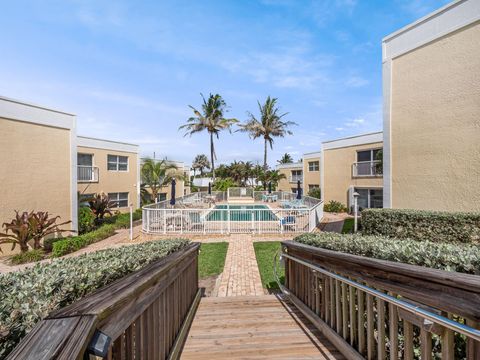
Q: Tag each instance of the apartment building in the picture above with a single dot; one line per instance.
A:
(353, 164)
(431, 92)
(38, 160)
(293, 173)
(311, 171)
(110, 167)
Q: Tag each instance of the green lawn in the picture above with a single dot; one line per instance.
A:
(265, 252)
(212, 259)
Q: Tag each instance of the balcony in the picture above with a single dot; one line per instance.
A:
(367, 169)
(296, 178)
(87, 174)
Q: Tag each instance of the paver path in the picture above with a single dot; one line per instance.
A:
(240, 275)
(260, 327)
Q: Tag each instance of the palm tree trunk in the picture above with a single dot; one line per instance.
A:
(212, 155)
(265, 166)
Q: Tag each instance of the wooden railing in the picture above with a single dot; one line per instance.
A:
(379, 309)
(145, 315)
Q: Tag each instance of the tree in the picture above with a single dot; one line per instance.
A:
(210, 119)
(201, 163)
(269, 126)
(156, 174)
(285, 159)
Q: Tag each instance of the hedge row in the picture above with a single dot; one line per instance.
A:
(463, 258)
(30, 295)
(71, 244)
(422, 225)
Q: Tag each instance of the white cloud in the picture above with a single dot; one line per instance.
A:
(356, 81)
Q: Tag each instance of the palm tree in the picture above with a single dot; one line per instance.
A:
(285, 159)
(269, 126)
(156, 174)
(210, 119)
(201, 162)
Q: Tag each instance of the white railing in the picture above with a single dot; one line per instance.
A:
(367, 168)
(194, 214)
(296, 178)
(240, 192)
(87, 173)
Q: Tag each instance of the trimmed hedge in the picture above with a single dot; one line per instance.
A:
(71, 244)
(30, 295)
(464, 258)
(421, 225)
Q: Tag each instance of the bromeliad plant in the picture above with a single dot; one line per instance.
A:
(101, 205)
(28, 226)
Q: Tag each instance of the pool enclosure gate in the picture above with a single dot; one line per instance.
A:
(203, 213)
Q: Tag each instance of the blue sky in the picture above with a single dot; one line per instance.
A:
(128, 69)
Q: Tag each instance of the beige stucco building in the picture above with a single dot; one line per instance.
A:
(110, 167)
(37, 162)
(351, 165)
(307, 171)
(311, 171)
(431, 88)
(293, 173)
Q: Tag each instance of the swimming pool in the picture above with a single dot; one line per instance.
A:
(241, 213)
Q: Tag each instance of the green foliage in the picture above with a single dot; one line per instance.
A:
(463, 258)
(201, 163)
(17, 232)
(224, 184)
(315, 193)
(27, 257)
(72, 244)
(156, 174)
(348, 225)
(30, 295)
(264, 253)
(211, 259)
(86, 220)
(335, 207)
(422, 225)
(285, 159)
(100, 205)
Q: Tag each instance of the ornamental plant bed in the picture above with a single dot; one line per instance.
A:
(30, 295)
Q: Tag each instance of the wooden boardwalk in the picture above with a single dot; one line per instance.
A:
(254, 327)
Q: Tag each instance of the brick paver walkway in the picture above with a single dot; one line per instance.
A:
(240, 275)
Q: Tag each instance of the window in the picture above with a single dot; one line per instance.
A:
(297, 173)
(162, 196)
(313, 166)
(119, 199)
(85, 160)
(117, 163)
(367, 155)
(369, 198)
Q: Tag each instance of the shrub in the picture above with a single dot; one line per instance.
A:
(315, 193)
(72, 244)
(334, 206)
(422, 225)
(463, 258)
(86, 220)
(100, 205)
(30, 295)
(27, 257)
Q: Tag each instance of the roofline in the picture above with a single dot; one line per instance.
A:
(353, 137)
(290, 165)
(107, 140)
(95, 143)
(21, 102)
(422, 20)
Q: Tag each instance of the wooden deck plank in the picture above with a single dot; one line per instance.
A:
(260, 327)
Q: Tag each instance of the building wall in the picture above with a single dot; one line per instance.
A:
(310, 178)
(337, 172)
(435, 124)
(285, 184)
(112, 181)
(35, 163)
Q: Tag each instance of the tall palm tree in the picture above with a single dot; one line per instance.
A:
(156, 174)
(285, 159)
(210, 119)
(201, 163)
(269, 126)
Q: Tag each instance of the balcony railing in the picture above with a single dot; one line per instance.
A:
(367, 168)
(296, 178)
(87, 173)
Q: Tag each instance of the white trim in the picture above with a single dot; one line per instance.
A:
(138, 183)
(73, 176)
(296, 165)
(95, 143)
(362, 139)
(312, 155)
(322, 177)
(21, 111)
(445, 20)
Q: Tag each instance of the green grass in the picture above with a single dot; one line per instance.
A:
(265, 252)
(348, 226)
(212, 259)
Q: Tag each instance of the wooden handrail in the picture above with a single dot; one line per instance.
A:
(337, 292)
(127, 311)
